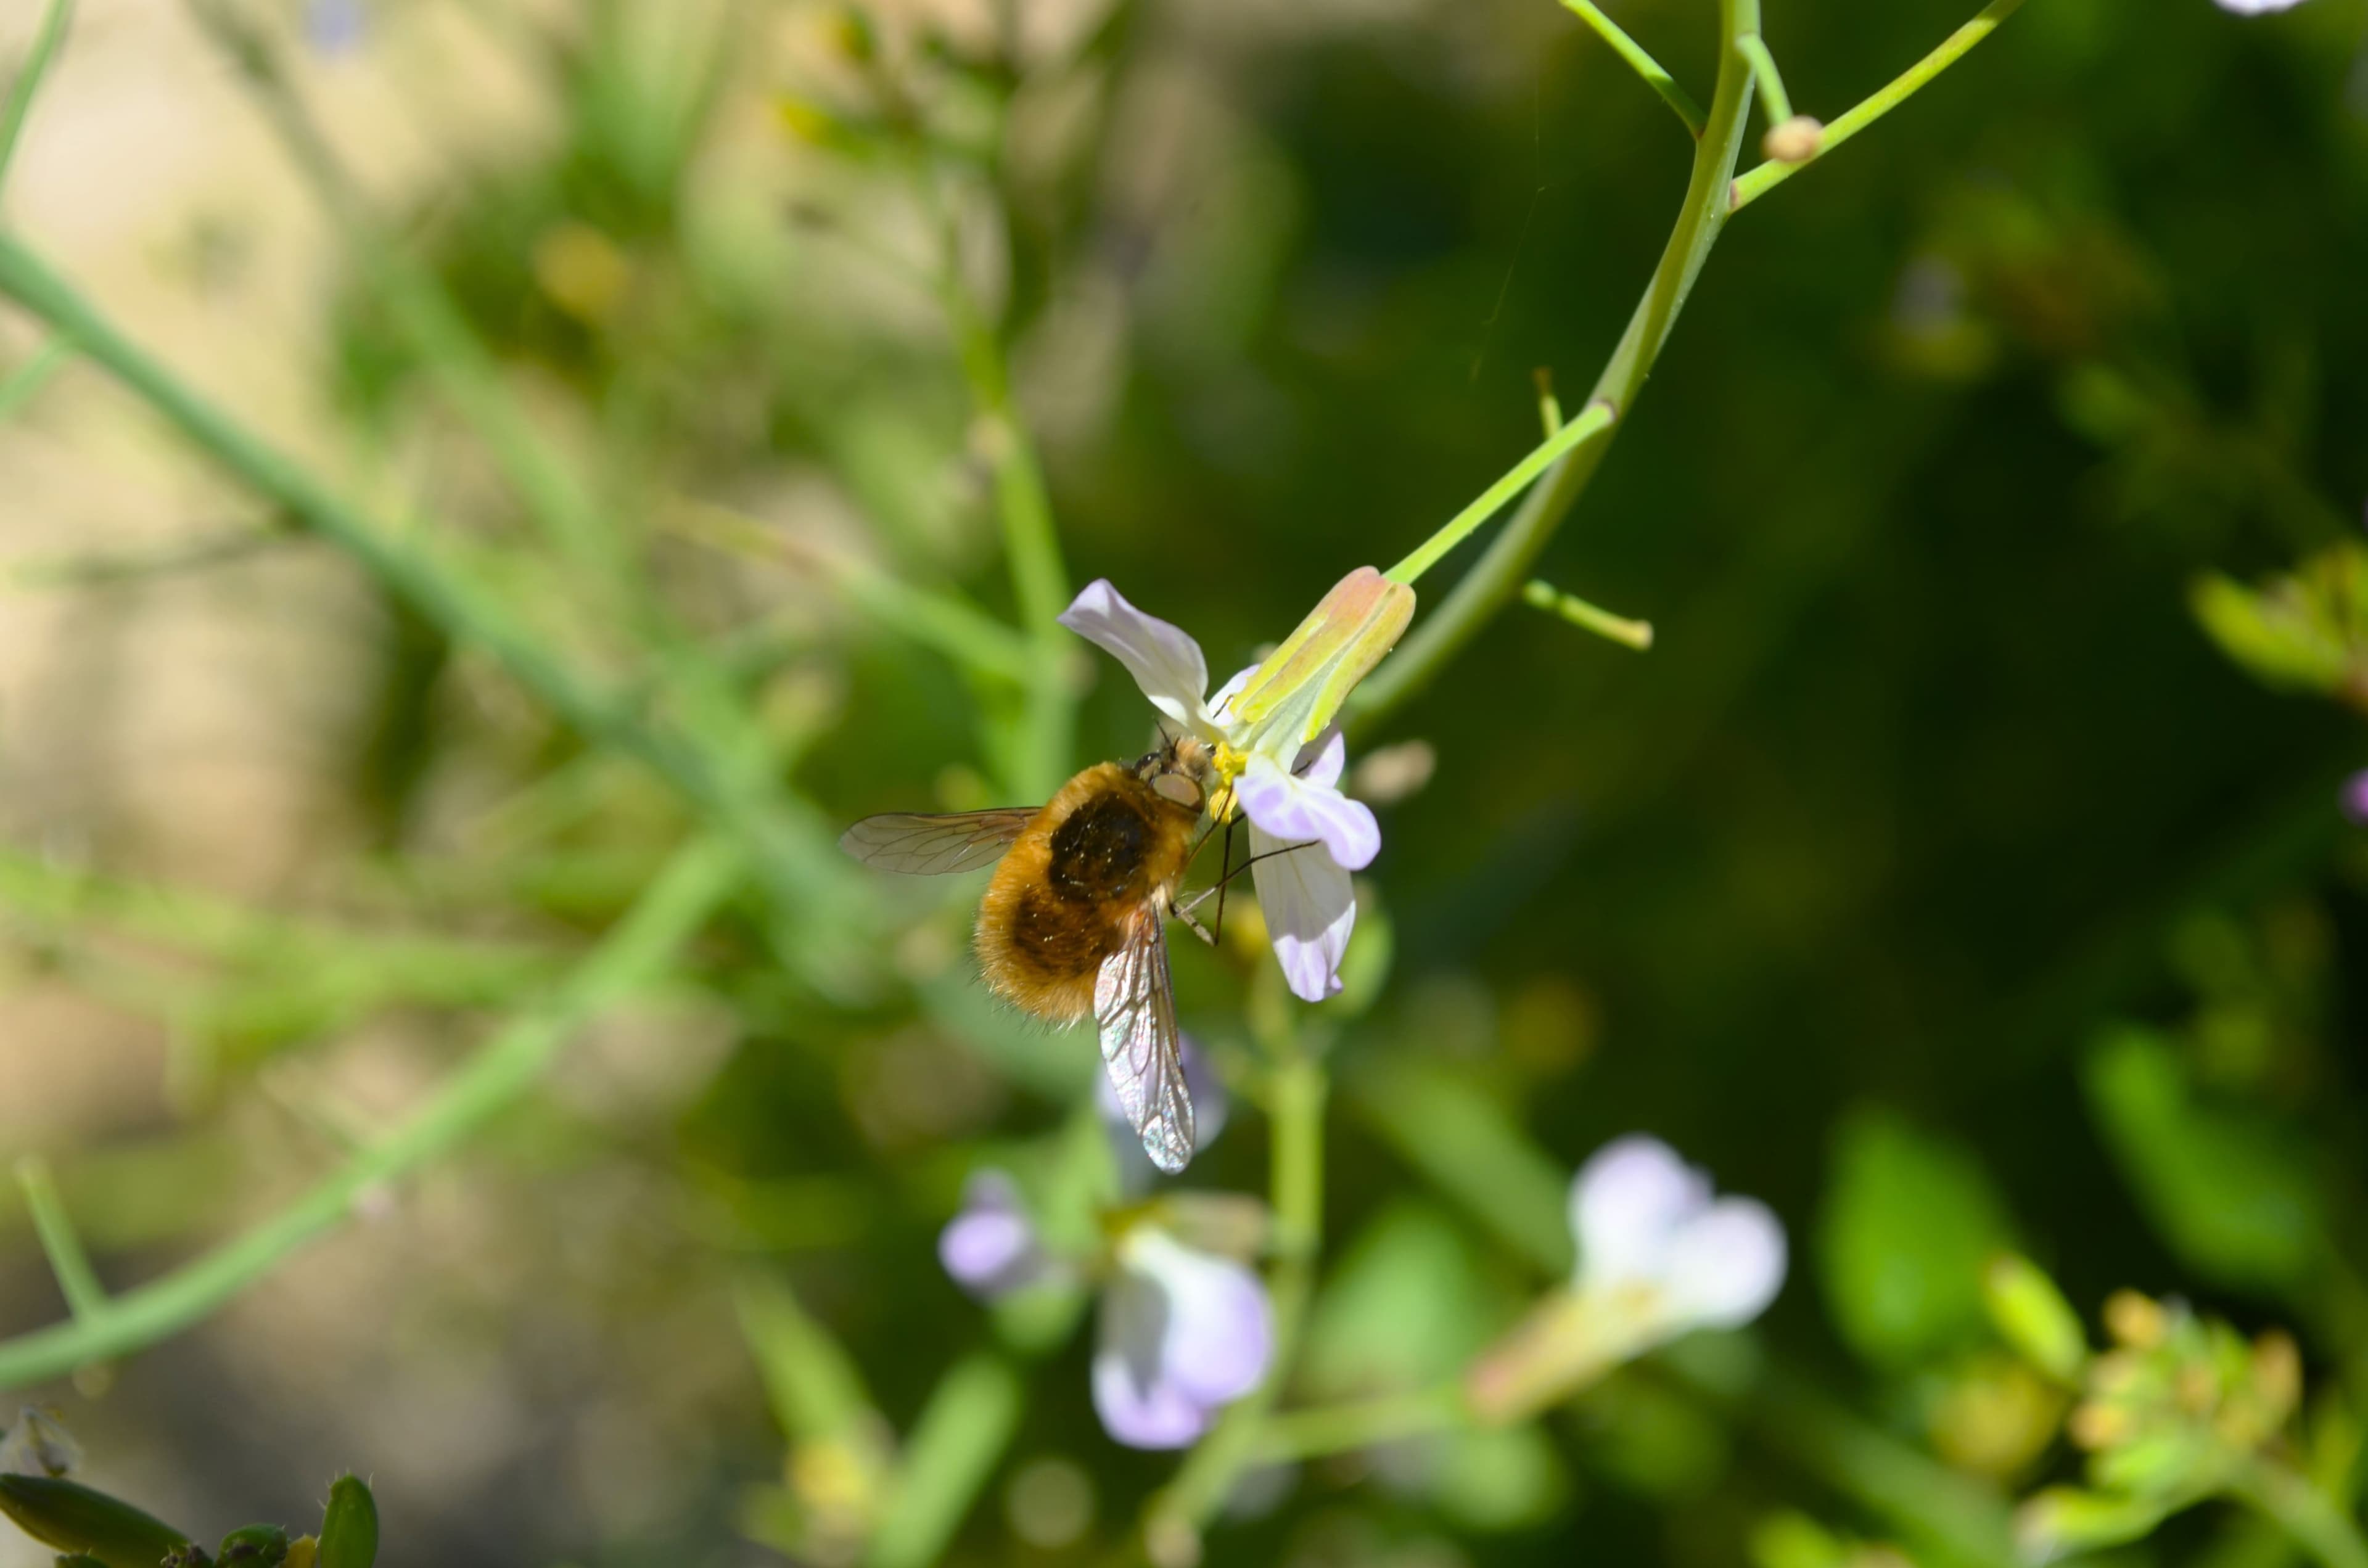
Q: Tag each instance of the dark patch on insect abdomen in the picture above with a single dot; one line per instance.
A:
(1097, 853)
(1058, 940)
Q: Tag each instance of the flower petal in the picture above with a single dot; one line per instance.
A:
(1630, 1198)
(1293, 809)
(1219, 1334)
(1163, 659)
(1310, 907)
(2257, 7)
(1725, 1264)
(1141, 1406)
(990, 1247)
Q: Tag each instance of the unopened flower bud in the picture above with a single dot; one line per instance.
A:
(2031, 1314)
(350, 1529)
(75, 1519)
(1795, 140)
(1300, 687)
(254, 1546)
(2135, 1320)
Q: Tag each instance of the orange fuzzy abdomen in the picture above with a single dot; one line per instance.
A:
(1069, 889)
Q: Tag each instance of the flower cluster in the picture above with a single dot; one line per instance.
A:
(1279, 752)
(1185, 1326)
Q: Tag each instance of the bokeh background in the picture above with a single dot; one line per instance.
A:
(1935, 876)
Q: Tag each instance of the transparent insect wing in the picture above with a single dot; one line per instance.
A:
(1135, 1003)
(926, 846)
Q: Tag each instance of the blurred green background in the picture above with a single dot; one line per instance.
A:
(1935, 876)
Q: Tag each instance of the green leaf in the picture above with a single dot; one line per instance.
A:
(350, 1529)
(954, 1445)
(1406, 1308)
(2275, 632)
(71, 1516)
(1910, 1223)
(2225, 1187)
(1475, 1152)
(1504, 1478)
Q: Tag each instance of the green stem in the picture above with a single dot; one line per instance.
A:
(1500, 571)
(1644, 64)
(77, 1281)
(31, 376)
(1539, 594)
(1030, 541)
(1359, 1424)
(636, 952)
(1296, 1114)
(1770, 175)
(950, 1452)
(28, 80)
(2304, 1513)
(1778, 103)
(1593, 420)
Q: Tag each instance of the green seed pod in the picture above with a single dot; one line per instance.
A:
(70, 1516)
(255, 1546)
(350, 1529)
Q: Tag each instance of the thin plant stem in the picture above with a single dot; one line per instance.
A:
(27, 379)
(28, 80)
(952, 1450)
(77, 1281)
(1776, 101)
(1030, 541)
(1750, 187)
(1629, 634)
(1498, 576)
(1293, 1436)
(1644, 64)
(2306, 1514)
(1593, 420)
(1295, 1112)
(635, 953)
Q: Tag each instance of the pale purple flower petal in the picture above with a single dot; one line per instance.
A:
(1627, 1200)
(1649, 1230)
(1182, 1332)
(1295, 810)
(1725, 1264)
(1220, 1332)
(2256, 7)
(1310, 906)
(2355, 796)
(991, 1247)
(1163, 659)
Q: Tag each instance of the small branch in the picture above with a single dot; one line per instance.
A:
(1644, 64)
(1776, 103)
(77, 1281)
(28, 80)
(1593, 420)
(1542, 594)
(31, 376)
(1768, 175)
(1499, 573)
(634, 952)
(1312, 1433)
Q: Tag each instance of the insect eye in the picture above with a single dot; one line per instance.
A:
(1178, 789)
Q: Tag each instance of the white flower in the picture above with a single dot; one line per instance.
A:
(1271, 734)
(1658, 1258)
(1183, 1334)
(2256, 7)
(1655, 1243)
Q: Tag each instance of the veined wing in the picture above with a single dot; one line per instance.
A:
(1134, 1003)
(928, 846)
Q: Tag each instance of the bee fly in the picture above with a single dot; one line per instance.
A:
(1074, 919)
